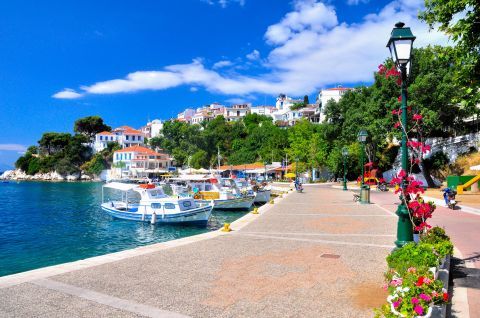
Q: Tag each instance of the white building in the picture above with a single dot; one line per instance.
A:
(138, 161)
(284, 102)
(235, 112)
(328, 94)
(125, 136)
(262, 110)
(152, 128)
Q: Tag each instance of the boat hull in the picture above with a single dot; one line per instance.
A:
(194, 216)
(243, 203)
(262, 196)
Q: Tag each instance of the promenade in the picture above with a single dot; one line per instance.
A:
(314, 254)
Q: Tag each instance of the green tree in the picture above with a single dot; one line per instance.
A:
(90, 126)
(460, 19)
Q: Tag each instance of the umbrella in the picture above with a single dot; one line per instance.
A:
(290, 175)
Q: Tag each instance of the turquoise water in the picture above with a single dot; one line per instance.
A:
(43, 224)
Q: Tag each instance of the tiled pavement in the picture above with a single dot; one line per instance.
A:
(313, 254)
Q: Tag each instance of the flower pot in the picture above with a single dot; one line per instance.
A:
(428, 314)
(416, 237)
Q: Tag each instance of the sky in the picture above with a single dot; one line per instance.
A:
(130, 61)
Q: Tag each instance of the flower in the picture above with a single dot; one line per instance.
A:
(412, 270)
(414, 300)
(396, 125)
(397, 303)
(418, 309)
(399, 98)
(420, 281)
(445, 296)
(425, 297)
(417, 117)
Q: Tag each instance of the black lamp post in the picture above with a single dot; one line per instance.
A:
(344, 155)
(362, 138)
(400, 45)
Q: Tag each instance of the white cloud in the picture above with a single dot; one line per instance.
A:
(254, 55)
(13, 147)
(67, 93)
(236, 100)
(193, 89)
(310, 50)
(221, 64)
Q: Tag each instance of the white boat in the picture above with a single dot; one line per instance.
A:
(148, 203)
(224, 192)
(262, 192)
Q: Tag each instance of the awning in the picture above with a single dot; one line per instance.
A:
(120, 186)
(475, 167)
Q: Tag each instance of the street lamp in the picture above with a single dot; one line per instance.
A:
(400, 45)
(344, 155)
(362, 138)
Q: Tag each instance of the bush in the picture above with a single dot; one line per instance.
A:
(440, 241)
(417, 255)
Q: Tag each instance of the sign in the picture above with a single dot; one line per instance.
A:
(172, 168)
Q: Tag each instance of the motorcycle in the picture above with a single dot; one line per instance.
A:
(299, 187)
(382, 185)
(449, 197)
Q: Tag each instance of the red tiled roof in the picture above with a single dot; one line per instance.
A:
(140, 149)
(105, 133)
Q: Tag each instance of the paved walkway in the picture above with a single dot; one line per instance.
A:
(314, 254)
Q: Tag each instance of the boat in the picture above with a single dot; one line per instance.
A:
(149, 203)
(224, 192)
(261, 191)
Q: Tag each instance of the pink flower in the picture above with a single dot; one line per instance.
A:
(418, 309)
(402, 173)
(396, 282)
(399, 98)
(414, 300)
(396, 125)
(427, 280)
(417, 117)
(412, 270)
(425, 297)
(396, 303)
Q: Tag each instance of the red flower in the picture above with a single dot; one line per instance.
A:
(445, 296)
(396, 125)
(399, 98)
(402, 173)
(420, 281)
(417, 117)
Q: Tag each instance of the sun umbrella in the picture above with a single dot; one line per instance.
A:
(290, 175)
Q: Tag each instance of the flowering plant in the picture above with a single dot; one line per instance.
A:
(404, 182)
(412, 294)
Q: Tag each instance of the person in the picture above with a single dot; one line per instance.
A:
(448, 195)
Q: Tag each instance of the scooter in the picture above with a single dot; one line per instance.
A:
(449, 197)
(299, 187)
(382, 185)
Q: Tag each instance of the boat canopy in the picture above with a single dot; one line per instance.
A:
(121, 186)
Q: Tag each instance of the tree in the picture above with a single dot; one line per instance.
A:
(199, 160)
(460, 19)
(90, 126)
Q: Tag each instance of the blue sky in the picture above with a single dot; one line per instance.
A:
(129, 61)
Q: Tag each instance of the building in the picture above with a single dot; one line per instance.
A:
(262, 110)
(235, 112)
(139, 162)
(152, 129)
(125, 136)
(283, 102)
(328, 94)
(186, 115)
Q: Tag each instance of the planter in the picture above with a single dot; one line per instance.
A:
(428, 314)
(416, 237)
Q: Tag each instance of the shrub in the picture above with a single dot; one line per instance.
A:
(437, 237)
(412, 255)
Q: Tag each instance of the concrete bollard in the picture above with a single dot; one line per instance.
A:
(272, 201)
(255, 210)
(226, 227)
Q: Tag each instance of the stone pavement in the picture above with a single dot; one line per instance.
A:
(311, 254)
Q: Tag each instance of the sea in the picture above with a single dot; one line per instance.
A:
(49, 223)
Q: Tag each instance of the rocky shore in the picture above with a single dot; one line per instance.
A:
(49, 176)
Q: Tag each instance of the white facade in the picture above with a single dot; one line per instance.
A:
(262, 110)
(152, 128)
(328, 94)
(138, 161)
(186, 115)
(236, 112)
(125, 136)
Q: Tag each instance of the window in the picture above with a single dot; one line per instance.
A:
(187, 204)
(126, 137)
(169, 206)
(101, 137)
(156, 205)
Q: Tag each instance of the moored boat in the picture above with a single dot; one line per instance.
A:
(148, 203)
